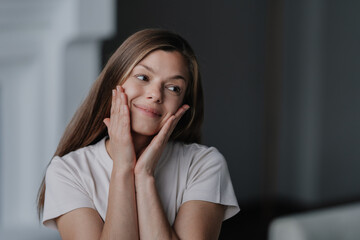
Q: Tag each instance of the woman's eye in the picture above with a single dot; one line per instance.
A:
(142, 77)
(175, 89)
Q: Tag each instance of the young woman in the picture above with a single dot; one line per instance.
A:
(129, 165)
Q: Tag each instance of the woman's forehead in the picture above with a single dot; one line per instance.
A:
(171, 63)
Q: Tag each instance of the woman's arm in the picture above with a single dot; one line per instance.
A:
(199, 220)
(81, 223)
(153, 223)
(195, 220)
(121, 216)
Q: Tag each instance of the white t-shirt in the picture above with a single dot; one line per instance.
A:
(184, 172)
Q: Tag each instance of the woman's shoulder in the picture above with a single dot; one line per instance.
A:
(195, 152)
(195, 148)
(79, 159)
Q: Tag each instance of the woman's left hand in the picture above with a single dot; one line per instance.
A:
(147, 161)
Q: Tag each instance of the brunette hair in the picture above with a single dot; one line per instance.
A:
(87, 127)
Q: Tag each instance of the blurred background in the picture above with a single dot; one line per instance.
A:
(281, 84)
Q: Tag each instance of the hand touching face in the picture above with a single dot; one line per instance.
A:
(155, 90)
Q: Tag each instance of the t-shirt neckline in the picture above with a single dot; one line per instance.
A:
(105, 157)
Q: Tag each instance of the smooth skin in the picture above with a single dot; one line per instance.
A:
(144, 112)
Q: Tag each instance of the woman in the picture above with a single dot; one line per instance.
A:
(128, 165)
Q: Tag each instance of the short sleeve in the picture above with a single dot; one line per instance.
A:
(64, 192)
(209, 180)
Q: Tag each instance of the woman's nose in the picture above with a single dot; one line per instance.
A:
(154, 93)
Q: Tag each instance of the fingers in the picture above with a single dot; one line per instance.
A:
(148, 159)
(120, 145)
(119, 121)
(119, 101)
(177, 116)
(169, 126)
(107, 122)
(118, 98)
(181, 111)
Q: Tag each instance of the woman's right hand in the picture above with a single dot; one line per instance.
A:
(120, 145)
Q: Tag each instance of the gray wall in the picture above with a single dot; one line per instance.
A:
(320, 134)
(340, 151)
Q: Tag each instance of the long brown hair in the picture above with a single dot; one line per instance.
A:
(87, 127)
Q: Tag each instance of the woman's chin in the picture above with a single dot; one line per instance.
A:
(145, 131)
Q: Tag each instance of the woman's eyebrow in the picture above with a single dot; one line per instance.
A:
(178, 77)
(146, 67)
(150, 69)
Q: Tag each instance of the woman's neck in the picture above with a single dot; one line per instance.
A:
(140, 143)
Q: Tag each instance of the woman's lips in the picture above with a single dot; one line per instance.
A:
(152, 112)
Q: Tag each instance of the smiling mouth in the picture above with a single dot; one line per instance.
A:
(147, 110)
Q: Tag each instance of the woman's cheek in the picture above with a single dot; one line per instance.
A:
(130, 95)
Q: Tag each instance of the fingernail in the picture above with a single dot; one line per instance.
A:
(113, 92)
(118, 88)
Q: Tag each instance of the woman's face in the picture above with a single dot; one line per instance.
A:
(155, 90)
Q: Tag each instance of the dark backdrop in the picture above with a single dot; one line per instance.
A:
(282, 93)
